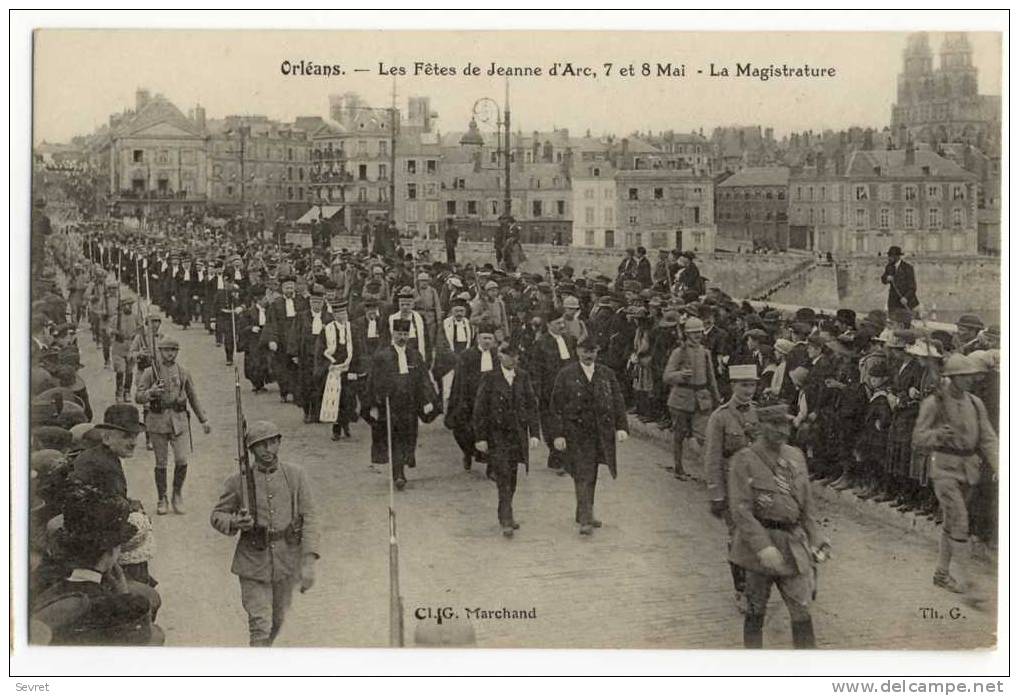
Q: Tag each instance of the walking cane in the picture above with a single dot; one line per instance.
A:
(395, 602)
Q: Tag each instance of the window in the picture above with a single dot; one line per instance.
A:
(450, 207)
(433, 231)
(589, 216)
(638, 239)
(229, 190)
(610, 216)
(934, 218)
(412, 192)
(412, 212)
(362, 194)
(862, 193)
(697, 193)
(633, 219)
(909, 193)
(884, 192)
(138, 156)
(933, 191)
(412, 166)
(659, 193)
(633, 194)
(290, 153)
(824, 215)
(383, 172)
(610, 239)
(430, 190)
(290, 192)
(589, 238)
(536, 208)
(958, 193)
(610, 193)
(588, 192)
(768, 195)
(300, 174)
(824, 193)
(883, 217)
(555, 182)
(431, 210)
(383, 148)
(861, 217)
(472, 207)
(460, 184)
(956, 217)
(799, 193)
(493, 207)
(290, 173)
(781, 195)
(696, 215)
(810, 216)
(658, 216)
(362, 172)
(383, 194)
(560, 208)
(362, 147)
(909, 218)
(596, 171)
(430, 166)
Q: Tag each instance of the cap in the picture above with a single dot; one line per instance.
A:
(693, 324)
(669, 318)
(405, 294)
(317, 290)
(571, 302)
(168, 343)
(759, 334)
(743, 373)
(491, 284)
(259, 431)
(424, 276)
(783, 346)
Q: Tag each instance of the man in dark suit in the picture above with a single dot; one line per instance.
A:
(282, 337)
(505, 412)
(643, 268)
(399, 378)
(587, 418)
(473, 364)
(551, 352)
(311, 321)
(901, 281)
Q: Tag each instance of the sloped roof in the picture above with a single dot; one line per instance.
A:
(158, 110)
(862, 163)
(759, 176)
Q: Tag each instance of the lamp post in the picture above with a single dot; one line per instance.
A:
(486, 110)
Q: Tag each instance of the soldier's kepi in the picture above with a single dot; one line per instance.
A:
(168, 389)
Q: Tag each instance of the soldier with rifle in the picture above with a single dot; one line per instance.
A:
(168, 389)
(270, 504)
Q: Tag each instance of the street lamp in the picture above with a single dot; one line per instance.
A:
(486, 110)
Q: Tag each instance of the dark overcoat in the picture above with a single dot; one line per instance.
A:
(505, 416)
(587, 414)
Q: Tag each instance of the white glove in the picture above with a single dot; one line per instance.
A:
(534, 442)
(351, 376)
(481, 446)
(622, 436)
(428, 409)
(272, 346)
(559, 444)
(256, 329)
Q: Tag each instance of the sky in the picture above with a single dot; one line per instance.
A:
(81, 77)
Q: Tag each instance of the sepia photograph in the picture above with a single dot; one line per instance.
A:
(548, 339)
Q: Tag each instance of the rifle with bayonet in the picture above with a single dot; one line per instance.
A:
(258, 535)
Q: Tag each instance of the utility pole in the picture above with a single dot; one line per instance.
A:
(506, 200)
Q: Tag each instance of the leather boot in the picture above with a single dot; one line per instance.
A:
(803, 635)
(163, 506)
(179, 474)
(753, 631)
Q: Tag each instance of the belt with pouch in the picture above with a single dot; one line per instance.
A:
(775, 524)
(957, 452)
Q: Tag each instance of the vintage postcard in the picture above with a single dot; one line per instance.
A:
(683, 340)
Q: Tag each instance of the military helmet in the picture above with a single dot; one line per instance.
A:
(259, 431)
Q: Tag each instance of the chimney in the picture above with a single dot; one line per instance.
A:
(840, 162)
(624, 158)
(200, 116)
(821, 163)
(141, 98)
(519, 153)
(535, 147)
(910, 154)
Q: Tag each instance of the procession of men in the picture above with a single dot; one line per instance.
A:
(760, 402)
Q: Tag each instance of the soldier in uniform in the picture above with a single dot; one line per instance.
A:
(505, 412)
(124, 329)
(775, 538)
(399, 380)
(694, 389)
(730, 429)
(168, 389)
(954, 431)
(279, 540)
(474, 363)
(587, 419)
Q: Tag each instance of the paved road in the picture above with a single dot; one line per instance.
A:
(653, 577)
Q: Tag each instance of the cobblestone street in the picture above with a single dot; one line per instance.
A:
(654, 577)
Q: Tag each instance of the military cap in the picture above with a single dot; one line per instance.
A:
(405, 294)
(693, 324)
(168, 343)
(759, 334)
(259, 431)
(805, 315)
(423, 276)
(287, 279)
(605, 301)
(491, 284)
(571, 302)
(317, 290)
(774, 413)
